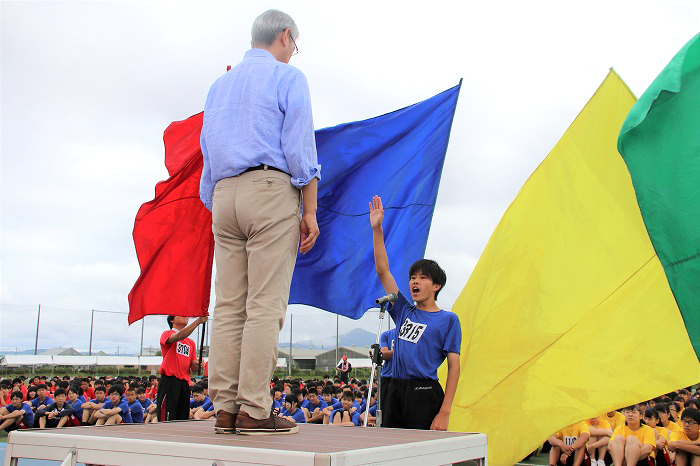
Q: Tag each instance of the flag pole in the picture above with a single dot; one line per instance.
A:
(201, 348)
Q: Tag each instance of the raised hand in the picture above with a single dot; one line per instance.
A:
(376, 212)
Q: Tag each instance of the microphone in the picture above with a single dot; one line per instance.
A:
(390, 298)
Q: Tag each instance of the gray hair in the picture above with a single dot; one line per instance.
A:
(269, 24)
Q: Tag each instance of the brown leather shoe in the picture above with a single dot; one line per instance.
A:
(225, 422)
(247, 425)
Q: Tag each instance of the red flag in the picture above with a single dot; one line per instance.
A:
(172, 234)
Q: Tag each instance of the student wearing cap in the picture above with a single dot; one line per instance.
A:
(344, 367)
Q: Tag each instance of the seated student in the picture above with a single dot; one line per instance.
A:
(386, 346)
(327, 394)
(651, 418)
(5, 393)
(276, 405)
(372, 412)
(152, 391)
(57, 413)
(292, 411)
(42, 399)
(91, 407)
(346, 416)
(31, 394)
(88, 390)
(568, 445)
(143, 399)
(198, 399)
(115, 410)
(277, 395)
(135, 407)
(686, 444)
(675, 410)
(597, 446)
(615, 418)
(75, 398)
(314, 407)
(205, 411)
(665, 419)
(633, 441)
(17, 414)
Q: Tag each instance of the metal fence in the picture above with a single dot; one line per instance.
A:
(35, 329)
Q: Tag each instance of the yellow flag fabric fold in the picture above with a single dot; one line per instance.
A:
(568, 312)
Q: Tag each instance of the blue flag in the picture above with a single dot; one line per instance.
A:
(398, 156)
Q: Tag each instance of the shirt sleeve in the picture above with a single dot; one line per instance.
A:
(453, 342)
(206, 185)
(649, 437)
(298, 138)
(618, 431)
(398, 309)
(164, 339)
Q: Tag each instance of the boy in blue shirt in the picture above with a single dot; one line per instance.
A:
(17, 414)
(315, 406)
(57, 414)
(135, 408)
(75, 393)
(91, 407)
(346, 415)
(293, 413)
(426, 336)
(115, 410)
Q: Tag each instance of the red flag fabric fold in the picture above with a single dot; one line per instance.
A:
(172, 234)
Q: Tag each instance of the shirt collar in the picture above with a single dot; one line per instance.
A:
(259, 53)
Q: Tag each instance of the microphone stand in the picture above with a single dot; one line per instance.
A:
(376, 368)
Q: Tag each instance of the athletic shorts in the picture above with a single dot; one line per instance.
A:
(17, 426)
(173, 399)
(411, 403)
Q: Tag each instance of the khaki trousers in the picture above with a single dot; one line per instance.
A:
(256, 219)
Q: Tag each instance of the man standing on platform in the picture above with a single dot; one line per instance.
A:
(179, 360)
(260, 168)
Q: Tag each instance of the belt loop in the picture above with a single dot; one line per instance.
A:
(265, 167)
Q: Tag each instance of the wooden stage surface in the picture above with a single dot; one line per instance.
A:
(194, 443)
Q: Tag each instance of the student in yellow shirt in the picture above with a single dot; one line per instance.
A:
(568, 445)
(600, 432)
(665, 417)
(686, 444)
(615, 419)
(651, 418)
(633, 441)
(675, 409)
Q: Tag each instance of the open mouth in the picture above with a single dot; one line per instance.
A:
(415, 290)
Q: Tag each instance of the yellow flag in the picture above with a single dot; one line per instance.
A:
(568, 313)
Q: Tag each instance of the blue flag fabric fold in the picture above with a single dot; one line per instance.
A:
(398, 156)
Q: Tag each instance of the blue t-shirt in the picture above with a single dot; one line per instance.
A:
(28, 417)
(136, 411)
(298, 415)
(311, 407)
(94, 400)
(354, 417)
(387, 340)
(197, 404)
(145, 404)
(423, 339)
(36, 403)
(77, 409)
(276, 405)
(208, 405)
(125, 414)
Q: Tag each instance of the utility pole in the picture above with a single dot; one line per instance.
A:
(92, 322)
(118, 349)
(337, 339)
(36, 341)
(291, 324)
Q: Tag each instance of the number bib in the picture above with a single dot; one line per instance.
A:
(411, 331)
(183, 349)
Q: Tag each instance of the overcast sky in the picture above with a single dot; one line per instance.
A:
(87, 89)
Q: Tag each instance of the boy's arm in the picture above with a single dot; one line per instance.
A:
(689, 447)
(381, 259)
(581, 441)
(187, 331)
(442, 419)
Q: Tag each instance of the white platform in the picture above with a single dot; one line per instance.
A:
(195, 443)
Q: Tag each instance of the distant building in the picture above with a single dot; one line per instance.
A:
(61, 351)
(326, 360)
(302, 358)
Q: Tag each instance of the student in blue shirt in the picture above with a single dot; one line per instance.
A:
(143, 399)
(206, 411)
(75, 393)
(426, 336)
(41, 401)
(346, 416)
(315, 407)
(386, 346)
(292, 412)
(115, 410)
(372, 410)
(91, 407)
(57, 414)
(327, 394)
(198, 399)
(135, 408)
(17, 414)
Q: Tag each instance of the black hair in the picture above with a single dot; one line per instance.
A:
(117, 388)
(197, 389)
(170, 321)
(17, 394)
(633, 408)
(691, 413)
(292, 400)
(326, 376)
(312, 390)
(40, 386)
(277, 388)
(59, 391)
(683, 391)
(204, 384)
(327, 390)
(349, 396)
(16, 380)
(153, 377)
(63, 384)
(77, 389)
(430, 269)
(101, 388)
(692, 402)
(140, 391)
(651, 412)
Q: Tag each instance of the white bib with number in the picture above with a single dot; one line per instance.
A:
(411, 331)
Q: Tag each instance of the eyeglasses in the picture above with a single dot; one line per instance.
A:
(690, 422)
(296, 49)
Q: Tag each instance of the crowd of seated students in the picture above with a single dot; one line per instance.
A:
(663, 431)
